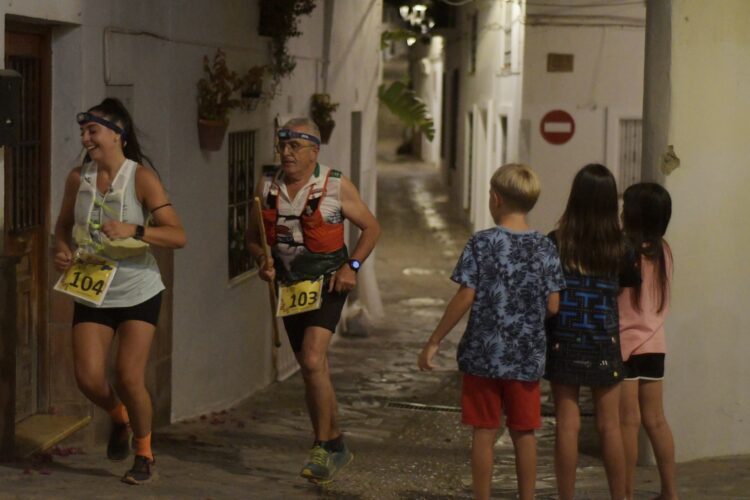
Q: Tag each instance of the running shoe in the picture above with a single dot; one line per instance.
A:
(118, 447)
(143, 471)
(339, 460)
(319, 464)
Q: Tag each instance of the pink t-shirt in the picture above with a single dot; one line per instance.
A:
(642, 332)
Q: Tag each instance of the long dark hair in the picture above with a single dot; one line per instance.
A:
(588, 234)
(114, 110)
(647, 208)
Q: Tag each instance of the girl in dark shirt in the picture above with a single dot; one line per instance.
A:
(583, 346)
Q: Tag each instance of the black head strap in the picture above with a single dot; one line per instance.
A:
(86, 117)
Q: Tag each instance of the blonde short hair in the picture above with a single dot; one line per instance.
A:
(518, 186)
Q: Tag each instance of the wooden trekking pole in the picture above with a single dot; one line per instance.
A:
(271, 287)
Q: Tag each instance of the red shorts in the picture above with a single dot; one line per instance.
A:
(483, 399)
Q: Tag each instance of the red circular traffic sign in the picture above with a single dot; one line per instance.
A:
(557, 127)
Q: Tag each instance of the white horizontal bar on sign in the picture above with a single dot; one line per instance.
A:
(558, 127)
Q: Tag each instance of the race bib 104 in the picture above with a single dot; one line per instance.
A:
(88, 278)
(299, 297)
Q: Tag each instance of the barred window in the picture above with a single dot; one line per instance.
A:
(241, 189)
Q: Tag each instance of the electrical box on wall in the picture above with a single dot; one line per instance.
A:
(559, 63)
(10, 107)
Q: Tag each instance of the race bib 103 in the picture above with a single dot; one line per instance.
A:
(299, 297)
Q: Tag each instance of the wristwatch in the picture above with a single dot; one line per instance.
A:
(139, 231)
(354, 264)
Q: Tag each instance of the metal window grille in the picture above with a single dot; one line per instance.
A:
(25, 176)
(630, 152)
(241, 189)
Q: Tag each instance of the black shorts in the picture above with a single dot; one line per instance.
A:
(645, 367)
(112, 317)
(327, 317)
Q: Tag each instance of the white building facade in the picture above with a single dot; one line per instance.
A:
(587, 62)
(149, 54)
(483, 88)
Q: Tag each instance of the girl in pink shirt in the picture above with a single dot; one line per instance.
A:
(647, 208)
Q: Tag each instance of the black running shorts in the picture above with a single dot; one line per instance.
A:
(113, 317)
(327, 317)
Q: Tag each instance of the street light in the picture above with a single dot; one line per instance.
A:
(414, 14)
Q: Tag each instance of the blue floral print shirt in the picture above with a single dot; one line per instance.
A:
(512, 274)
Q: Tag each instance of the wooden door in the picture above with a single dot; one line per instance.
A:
(26, 215)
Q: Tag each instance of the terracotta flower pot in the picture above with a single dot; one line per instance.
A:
(326, 129)
(211, 134)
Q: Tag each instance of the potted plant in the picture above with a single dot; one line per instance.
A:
(215, 100)
(321, 111)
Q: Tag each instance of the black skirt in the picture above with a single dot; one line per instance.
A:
(583, 339)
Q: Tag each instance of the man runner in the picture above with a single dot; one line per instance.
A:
(304, 205)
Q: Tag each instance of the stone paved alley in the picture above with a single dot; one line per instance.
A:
(256, 449)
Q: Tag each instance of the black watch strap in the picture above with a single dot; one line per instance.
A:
(139, 232)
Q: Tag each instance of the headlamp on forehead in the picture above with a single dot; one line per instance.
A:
(286, 134)
(86, 117)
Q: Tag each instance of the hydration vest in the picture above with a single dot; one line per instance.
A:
(318, 235)
(321, 250)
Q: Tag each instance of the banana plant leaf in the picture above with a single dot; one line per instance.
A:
(407, 107)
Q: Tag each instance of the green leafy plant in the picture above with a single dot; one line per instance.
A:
(321, 112)
(322, 109)
(404, 103)
(216, 89)
(279, 20)
(222, 89)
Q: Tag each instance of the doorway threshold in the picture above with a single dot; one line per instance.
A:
(41, 432)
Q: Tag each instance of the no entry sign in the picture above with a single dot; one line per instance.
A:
(557, 127)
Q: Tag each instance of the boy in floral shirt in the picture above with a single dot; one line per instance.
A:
(509, 277)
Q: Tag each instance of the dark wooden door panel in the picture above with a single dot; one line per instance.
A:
(26, 221)
(26, 348)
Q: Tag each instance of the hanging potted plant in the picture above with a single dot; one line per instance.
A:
(321, 111)
(215, 100)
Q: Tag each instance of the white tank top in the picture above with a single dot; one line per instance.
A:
(137, 278)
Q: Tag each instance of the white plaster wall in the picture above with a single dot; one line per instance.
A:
(427, 68)
(490, 92)
(706, 393)
(352, 80)
(606, 84)
(221, 331)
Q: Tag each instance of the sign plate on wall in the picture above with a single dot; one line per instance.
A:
(557, 127)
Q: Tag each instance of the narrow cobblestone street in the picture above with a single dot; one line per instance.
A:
(255, 450)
